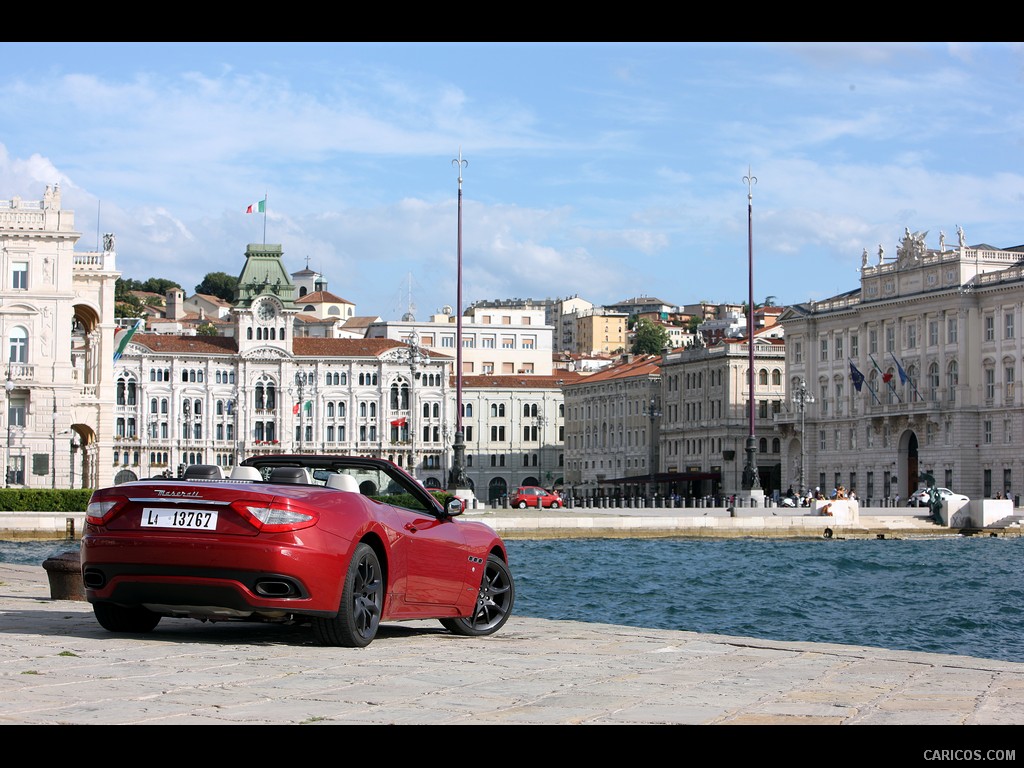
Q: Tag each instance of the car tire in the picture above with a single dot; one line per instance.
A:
(522, 505)
(362, 600)
(555, 505)
(493, 602)
(119, 618)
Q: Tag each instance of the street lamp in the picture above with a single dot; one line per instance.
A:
(802, 398)
(540, 421)
(9, 386)
(75, 443)
(751, 482)
(457, 480)
(301, 380)
(653, 412)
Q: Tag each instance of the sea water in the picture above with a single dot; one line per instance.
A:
(949, 594)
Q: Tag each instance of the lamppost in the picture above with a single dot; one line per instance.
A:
(540, 421)
(653, 412)
(75, 442)
(301, 380)
(413, 356)
(802, 398)
(9, 386)
(457, 480)
(233, 425)
(751, 482)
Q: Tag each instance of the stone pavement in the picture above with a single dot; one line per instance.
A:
(58, 666)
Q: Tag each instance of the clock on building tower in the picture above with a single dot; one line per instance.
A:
(266, 311)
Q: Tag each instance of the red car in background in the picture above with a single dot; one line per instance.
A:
(532, 496)
(340, 543)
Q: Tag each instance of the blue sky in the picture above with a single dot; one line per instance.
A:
(604, 170)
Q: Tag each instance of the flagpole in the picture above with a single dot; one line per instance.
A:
(264, 218)
(904, 378)
(882, 373)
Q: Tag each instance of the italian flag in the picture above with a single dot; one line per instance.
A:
(260, 207)
(122, 337)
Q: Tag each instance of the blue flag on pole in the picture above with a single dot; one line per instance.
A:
(899, 368)
(857, 376)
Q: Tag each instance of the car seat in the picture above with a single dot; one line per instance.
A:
(246, 473)
(203, 472)
(299, 475)
(342, 482)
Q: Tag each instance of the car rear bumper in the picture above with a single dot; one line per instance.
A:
(200, 577)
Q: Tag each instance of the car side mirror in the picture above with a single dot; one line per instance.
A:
(454, 506)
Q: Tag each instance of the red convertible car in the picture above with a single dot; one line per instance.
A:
(342, 543)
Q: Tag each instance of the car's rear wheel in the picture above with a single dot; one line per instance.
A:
(521, 505)
(120, 618)
(493, 602)
(362, 601)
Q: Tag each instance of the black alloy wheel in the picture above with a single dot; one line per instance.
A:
(493, 602)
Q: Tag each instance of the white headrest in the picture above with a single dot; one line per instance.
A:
(246, 473)
(343, 483)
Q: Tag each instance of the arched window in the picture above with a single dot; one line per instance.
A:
(762, 377)
(18, 345)
(776, 377)
(952, 379)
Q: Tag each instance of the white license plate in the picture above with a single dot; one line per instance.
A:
(193, 519)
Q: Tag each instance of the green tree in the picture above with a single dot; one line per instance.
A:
(158, 285)
(207, 329)
(649, 338)
(128, 306)
(219, 284)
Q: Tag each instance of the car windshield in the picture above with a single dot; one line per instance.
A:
(378, 480)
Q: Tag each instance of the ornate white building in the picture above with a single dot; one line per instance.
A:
(915, 371)
(57, 318)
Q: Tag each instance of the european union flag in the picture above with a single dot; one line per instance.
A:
(857, 376)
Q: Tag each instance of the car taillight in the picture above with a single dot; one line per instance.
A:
(274, 517)
(99, 512)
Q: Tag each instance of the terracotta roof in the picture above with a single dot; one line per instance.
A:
(314, 347)
(321, 296)
(191, 345)
(643, 365)
(213, 299)
(362, 321)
